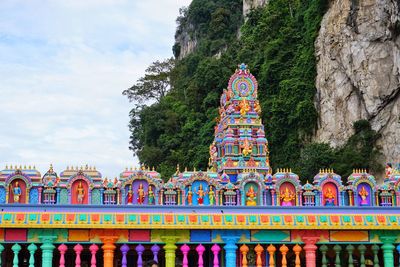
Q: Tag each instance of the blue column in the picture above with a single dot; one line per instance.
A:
(58, 190)
(102, 196)
(230, 238)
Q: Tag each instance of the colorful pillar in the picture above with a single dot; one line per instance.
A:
(271, 251)
(362, 249)
(324, 249)
(139, 249)
(16, 248)
(169, 248)
(244, 249)
(215, 250)
(388, 248)
(284, 250)
(350, 249)
(32, 249)
(47, 250)
(310, 248)
(108, 250)
(337, 249)
(155, 249)
(185, 250)
(62, 249)
(78, 249)
(297, 249)
(259, 250)
(124, 250)
(230, 238)
(93, 249)
(200, 250)
(375, 250)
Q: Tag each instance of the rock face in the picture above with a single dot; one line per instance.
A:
(358, 61)
(186, 43)
(249, 4)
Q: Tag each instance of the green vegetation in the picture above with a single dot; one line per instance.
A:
(277, 43)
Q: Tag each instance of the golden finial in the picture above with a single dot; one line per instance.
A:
(126, 169)
(86, 167)
(34, 167)
(51, 167)
(186, 169)
(67, 168)
(153, 169)
(194, 169)
(76, 168)
(148, 168)
(6, 167)
(135, 168)
(143, 168)
(177, 168)
(130, 168)
(94, 168)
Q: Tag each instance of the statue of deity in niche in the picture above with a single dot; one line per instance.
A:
(364, 196)
(287, 196)
(246, 148)
(244, 107)
(329, 197)
(140, 192)
(251, 197)
(190, 196)
(211, 196)
(388, 170)
(150, 195)
(200, 195)
(80, 193)
(129, 197)
(17, 192)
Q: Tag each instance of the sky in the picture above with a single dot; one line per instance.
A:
(63, 67)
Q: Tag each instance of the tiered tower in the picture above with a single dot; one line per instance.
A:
(240, 144)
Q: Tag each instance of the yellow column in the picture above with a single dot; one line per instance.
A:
(108, 250)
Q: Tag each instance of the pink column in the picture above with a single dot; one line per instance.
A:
(310, 248)
(273, 197)
(62, 248)
(78, 249)
(185, 250)
(215, 250)
(200, 250)
(93, 249)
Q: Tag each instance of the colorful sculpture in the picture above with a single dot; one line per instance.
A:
(287, 196)
(363, 194)
(190, 196)
(80, 193)
(17, 192)
(329, 197)
(200, 195)
(150, 196)
(129, 197)
(141, 194)
(211, 196)
(251, 197)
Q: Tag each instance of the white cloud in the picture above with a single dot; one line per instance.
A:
(63, 66)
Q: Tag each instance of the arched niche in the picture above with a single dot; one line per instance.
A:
(17, 191)
(252, 194)
(364, 194)
(287, 194)
(139, 190)
(80, 192)
(330, 194)
(199, 195)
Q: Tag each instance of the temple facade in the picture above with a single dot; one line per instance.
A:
(238, 212)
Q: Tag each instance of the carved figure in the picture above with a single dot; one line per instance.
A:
(287, 196)
(251, 197)
(246, 148)
(244, 107)
(388, 170)
(363, 194)
(211, 196)
(329, 197)
(129, 197)
(190, 196)
(150, 195)
(17, 192)
(200, 195)
(140, 192)
(80, 193)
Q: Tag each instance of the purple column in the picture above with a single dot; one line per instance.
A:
(200, 250)
(139, 249)
(215, 250)
(124, 249)
(78, 249)
(62, 248)
(93, 249)
(155, 249)
(185, 250)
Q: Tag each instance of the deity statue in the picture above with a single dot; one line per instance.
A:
(211, 196)
(329, 197)
(287, 196)
(363, 194)
(251, 197)
(80, 193)
(244, 107)
(17, 192)
(246, 148)
(129, 197)
(190, 196)
(200, 195)
(140, 192)
(388, 170)
(257, 107)
(150, 195)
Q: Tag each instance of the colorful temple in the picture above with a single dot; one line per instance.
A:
(237, 213)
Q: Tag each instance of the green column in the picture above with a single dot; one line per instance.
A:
(324, 249)
(32, 248)
(16, 249)
(350, 249)
(170, 249)
(337, 250)
(47, 250)
(362, 250)
(388, 249)
(375, 249)
(1, 252)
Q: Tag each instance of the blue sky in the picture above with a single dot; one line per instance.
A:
(63, 66)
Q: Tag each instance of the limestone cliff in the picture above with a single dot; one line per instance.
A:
(358, 61)
(250, 4)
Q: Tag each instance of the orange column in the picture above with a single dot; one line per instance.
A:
(244, 249)
(108, 249)
(271, 250)
(297, 250)
(259, 250)
(284, 250)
